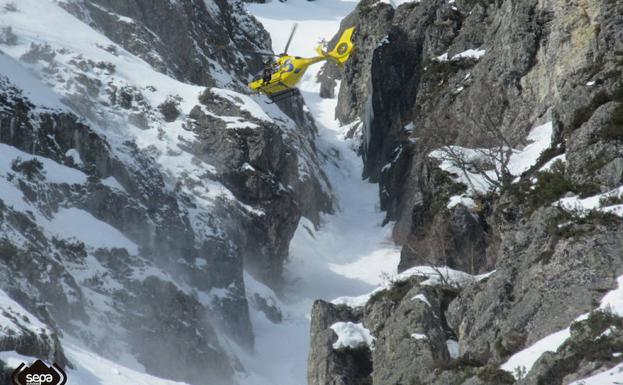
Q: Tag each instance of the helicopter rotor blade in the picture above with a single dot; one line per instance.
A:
(294, 27)
(265, 53)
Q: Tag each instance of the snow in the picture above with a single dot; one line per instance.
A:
(438, 275)
(548, 166)
(584, 206)
(419, 336)
(91, 369)
(397, 3)
(355, 301)
(613, 376)
(520, 161)
(442, 57)
(526, 358)
(75, 156)
(472, 53)
(351, 335)
(434, 276)
(67, 223)
(463, 199)
(541, 139)
(79, 224)
(37, 22)
(54, 172)
(245, 102)
(113, 183)
(350, 253)
(33, 88)
(612, 301)
(13, 318)
(421, 297)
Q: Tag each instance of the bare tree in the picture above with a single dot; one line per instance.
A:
(490, 161)
(433, 252)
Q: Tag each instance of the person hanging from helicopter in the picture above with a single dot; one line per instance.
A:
(267, 73)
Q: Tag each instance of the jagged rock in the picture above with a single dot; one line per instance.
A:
(592, 348)
(268, 307)
(326, 365)
(372, 22)
(521, 302)
(180, 39)
(27, 335)
(411, 337)
(593, 154)
(541, 62)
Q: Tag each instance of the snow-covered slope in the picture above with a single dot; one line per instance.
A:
(137, 186)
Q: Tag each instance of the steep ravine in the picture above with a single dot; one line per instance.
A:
(451, 217)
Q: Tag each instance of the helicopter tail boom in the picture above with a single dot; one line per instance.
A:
(342, 50)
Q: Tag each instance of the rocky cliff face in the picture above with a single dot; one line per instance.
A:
(138, 182)
(463, 78)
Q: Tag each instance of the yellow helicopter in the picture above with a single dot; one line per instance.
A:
(279, 80)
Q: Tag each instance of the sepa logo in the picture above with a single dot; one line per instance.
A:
(39, 374)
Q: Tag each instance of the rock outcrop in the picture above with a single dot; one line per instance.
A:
(436, 75)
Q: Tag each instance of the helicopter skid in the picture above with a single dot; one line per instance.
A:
(284, 95)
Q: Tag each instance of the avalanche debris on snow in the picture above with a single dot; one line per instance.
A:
(351, 335)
